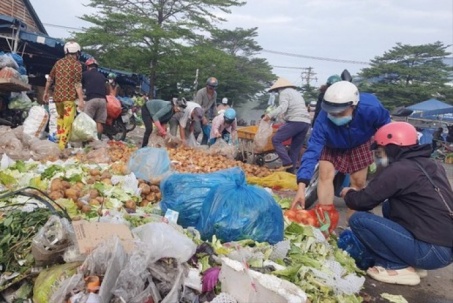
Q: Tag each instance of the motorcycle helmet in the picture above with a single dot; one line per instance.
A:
(229, 115)
(72, 47)
(179, 103)
(339, 96)
(91, 61)
(332, 79)
(212, 82)
(397, 133)
(111, 76)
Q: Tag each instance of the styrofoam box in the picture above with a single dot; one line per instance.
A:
(249, 286)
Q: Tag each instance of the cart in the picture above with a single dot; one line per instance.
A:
(247, 153)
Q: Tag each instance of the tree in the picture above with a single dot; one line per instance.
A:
(407, 74)
(309, 93)
(148, 30)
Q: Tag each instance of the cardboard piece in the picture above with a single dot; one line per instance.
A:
(90, 234)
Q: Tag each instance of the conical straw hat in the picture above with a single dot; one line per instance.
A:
(280, 83)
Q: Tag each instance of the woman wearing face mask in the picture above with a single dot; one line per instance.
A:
(416, 231)
(340, 140)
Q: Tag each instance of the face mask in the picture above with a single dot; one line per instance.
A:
(383, 162)
(110, 81)
(339, 120)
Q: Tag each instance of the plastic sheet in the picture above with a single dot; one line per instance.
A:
(83, 128)
(262, 136)
(149, 162)
(195, 188)
(276, 180)
(239, 211)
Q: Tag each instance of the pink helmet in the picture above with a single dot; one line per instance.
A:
(398, 133)
(91, 61)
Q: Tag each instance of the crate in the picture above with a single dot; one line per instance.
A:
(249, 132)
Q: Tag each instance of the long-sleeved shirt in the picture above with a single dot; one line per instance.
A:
(160, 110)
(292, 106)
(218, 124)
(207, 102)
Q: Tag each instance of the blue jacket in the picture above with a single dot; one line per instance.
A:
(368, 116)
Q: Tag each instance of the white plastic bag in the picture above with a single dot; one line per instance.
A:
(262, 136)
(165, 242)
(83, 128)
(36, 122)
(53, 115)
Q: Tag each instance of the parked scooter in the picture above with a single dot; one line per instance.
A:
(12, 117)
(128, 113)
(116, 129)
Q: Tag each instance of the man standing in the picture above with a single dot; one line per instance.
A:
(95, 90)
(206, 97)
(66, 74)
(222, 107)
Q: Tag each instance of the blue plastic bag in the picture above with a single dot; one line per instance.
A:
(348, 242)
(239, 211)
(148, 163)
(186, 192)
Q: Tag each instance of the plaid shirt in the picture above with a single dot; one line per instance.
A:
(65, 74)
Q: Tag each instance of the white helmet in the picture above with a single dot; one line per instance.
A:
(71, 47)
(225, 101)
(339, 96)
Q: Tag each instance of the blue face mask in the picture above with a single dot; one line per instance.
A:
(339, 120)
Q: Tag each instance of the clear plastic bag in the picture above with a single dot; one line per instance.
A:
(191, 141)
(43, 149)
(220, 147)
(165, 241)
(262, 136)
(83, 128)
(99, 155)
(149, 162)
(7, 60)
(20, 101)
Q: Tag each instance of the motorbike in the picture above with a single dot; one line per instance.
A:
(116, 129)
(128, 113)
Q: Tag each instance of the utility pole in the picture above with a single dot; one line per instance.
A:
(308, 75)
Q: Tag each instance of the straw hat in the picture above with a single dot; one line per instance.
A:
(280, 83)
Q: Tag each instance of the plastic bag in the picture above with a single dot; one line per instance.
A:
(99, 155)
(276, 180)
(12, 146)
(19, 101)
(220, 147)
(53, 115)
(239, 211)
(7, 60)
(149, 162)
(191, 141)
(50, 280)
(262, 136)
(113, 107)
(36, 122)
(164, 241)
(44, 149)
(83, 128)
(195, 188)
(348, 242)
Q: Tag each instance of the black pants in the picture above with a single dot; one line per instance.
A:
(148, 122)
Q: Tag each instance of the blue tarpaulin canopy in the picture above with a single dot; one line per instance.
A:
(431, 104)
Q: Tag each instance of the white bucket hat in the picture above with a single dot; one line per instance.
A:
(280, 83)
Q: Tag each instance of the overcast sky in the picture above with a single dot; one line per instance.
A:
(353, 30)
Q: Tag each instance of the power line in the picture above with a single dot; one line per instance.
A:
(62, 26)
(315, 58)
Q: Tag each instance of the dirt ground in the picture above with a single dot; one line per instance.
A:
(437, 287)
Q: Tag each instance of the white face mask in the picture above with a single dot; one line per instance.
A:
(383, 162)
(110, 80)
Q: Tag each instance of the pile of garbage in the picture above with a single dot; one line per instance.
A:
(113, 223)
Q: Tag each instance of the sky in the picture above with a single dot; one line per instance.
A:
(292, 32)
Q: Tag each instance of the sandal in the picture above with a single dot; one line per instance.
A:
(403, 276)
(422, 273)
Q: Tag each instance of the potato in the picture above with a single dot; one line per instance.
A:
(100, 199)
(94, 202)
(93, 193)
(80, 204)
(145, 189)
(91, 180)
(95, 172)
(151, 197)
(144, 203)
(56, 184)
(155, 189)
(86, 208)
(72, 193)
(130, 204)
(66, 184)
(55, 195)
(158, 196)
(106, 175)
(107, 181)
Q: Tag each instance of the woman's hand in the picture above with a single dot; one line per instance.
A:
(299, 199)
